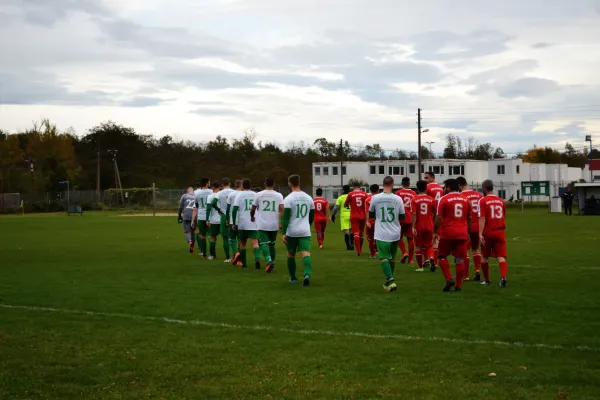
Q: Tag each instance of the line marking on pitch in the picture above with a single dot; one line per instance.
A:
(225, 325)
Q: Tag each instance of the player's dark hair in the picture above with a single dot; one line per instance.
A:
(269, 182)
(461, 181)
(451, 184)
(215, 185)
(204, 182)
(421, 186)
(238, 183)
(356, 184)
(246, 183)
(374, 188)
(198, 184)
(319, 192)
(406, 181)
(294, 180)
(388, 181)
(225, 182)
(488, 185)
(431, 174)
(346, 189)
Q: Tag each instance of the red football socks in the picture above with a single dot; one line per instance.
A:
(411, 249)
(419, 259)
(503, 269)
(460, 274)
(436, 255)
(485, 267)
(402, 247)
(445, 266)
(477, 262)
(467, 262)
(357, 244)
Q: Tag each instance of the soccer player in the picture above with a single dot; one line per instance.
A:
(452, 225)
(233, 234)
(213, 219)
(243, 224)
(473, 197)
(492, 227)
(298, 215)
(407, 194)
(356, 201)
(344, 217)
(387, 210)
(374, 189)
(436, 191)
(321, 216)
(201, 197)
(221, 206)
(186, 206)
(423, 212)
(269, 205)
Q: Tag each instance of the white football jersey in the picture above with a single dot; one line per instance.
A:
(267, 205)
(387, 207)
(214, 217)
(300, 205)
(244, 202)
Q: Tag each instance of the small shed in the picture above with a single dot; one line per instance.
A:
(588, 198)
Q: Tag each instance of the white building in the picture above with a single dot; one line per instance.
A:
(507, 174)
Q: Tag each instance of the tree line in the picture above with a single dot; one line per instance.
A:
(38, 159)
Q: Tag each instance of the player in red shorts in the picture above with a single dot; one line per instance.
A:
(321, 216)
(436, 191)
(423, 211)
(371, 223)
(356, 200)
(452, 227)
(406, 194)
(473, 197)
(492, 227)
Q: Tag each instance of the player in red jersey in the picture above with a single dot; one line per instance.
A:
(452, 227)
(423, 212)
(371, 222)
(321, 216)
(492, 227)
(473, 197)
(436, 191)
(407, 194)
(356, 200)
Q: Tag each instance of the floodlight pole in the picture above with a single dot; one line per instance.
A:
(588, 138)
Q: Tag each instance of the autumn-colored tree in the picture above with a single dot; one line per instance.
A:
(541, 155)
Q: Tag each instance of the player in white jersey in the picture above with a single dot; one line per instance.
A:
(220, 204)
(388, 210)
(199, 218)
(184, 215)
(298, 215)
(243, 224)
(269, 205)
(213, 216)
(233, 236)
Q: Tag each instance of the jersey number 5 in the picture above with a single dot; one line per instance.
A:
(359, 202)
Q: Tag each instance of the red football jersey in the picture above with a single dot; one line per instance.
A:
(424, 208)
(493, 209)
(407, 195)
(368, 205)
(436, 191)
(473, 197)
(321, 206)
(454, 209)
(356, 200)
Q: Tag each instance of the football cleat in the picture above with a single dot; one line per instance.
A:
(432, 265)
(420, 270)
(293, 280)
(503, 282)
(227, 260)
(426, 264)
(306, 280)
(466, 279)
(321, 247)
(390, 286)
(270, 267)
(404, 259)
(486, 283)
(477, 277)
(191, 247)
(457, 289)
(257, 265)
(236, 258)
(449, 285)
(372, 257)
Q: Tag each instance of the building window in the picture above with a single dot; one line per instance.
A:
(372, 170)
(431, 169)
(343, 170)
(502, 194)
(325, 171)
(382, 170)
(462, 170)
(455, 170)
(518, 193)
(442, 170)
(518, 172)
(401, 170)
(501, 170)
(423, 168)
(390, 171)
(412, 169)
(334, 171)
(394, 171)
(439, 170)
(317, 171)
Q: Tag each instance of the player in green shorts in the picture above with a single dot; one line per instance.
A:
(388, 210)
(219, 203)
(269, 205)
(246, 229)
(213, 216)
(298, 215)
(199, 214)
(233, 236)
(344, 217)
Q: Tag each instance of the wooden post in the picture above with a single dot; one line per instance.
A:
(153, 199)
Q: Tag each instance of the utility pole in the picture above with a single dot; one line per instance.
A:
(419, 142)
(341, 163)
(97, 167)
(117, 175)
(588, 138)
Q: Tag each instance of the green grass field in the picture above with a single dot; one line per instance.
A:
(111, 307)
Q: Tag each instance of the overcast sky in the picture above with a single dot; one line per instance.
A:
(513, 73)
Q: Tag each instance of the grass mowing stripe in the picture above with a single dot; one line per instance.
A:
(298, 331)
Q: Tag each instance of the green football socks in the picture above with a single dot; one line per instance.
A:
(291, 264)
(387, 269)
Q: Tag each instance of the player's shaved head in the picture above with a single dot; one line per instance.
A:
(346, 189)
(374, 188)
(488, 186)
(225, 182)
(190, 189)
(269, 182)
(319, 192)
(238, 183)
(294, 180)
(204, 182)
(451, 185)
(216, 185)
(406, 181)
(462, 182)
(422, 186)
(246, 183)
